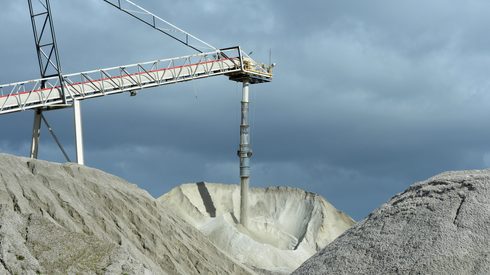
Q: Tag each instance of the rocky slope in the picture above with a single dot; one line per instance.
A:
(286, 227)
(67, 219)
(439, 226)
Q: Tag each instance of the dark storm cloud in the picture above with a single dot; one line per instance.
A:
(368, 96)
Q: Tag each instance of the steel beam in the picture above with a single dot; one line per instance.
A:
(36, 133)
(51, 131)
(160, 24)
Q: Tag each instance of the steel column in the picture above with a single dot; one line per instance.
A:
(244, 153)
(77, 114)
(36, 133)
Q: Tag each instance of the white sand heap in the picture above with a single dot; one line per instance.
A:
(286, 227)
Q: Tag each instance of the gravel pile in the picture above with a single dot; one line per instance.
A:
(70, 219)
(439, 226)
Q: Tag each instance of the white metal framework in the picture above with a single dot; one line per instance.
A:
(26, 95)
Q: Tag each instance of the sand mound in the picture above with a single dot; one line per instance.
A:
(287, 225)
(69, 219)
(439, 226)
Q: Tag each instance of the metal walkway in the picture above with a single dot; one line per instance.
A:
(27, 95)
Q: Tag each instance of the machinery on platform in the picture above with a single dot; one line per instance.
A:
(56, 90)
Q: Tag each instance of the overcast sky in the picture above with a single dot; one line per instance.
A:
(367, 98)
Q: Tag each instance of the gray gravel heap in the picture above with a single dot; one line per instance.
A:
(439, 226)
(70, 219)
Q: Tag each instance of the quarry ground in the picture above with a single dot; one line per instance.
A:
(71, 219)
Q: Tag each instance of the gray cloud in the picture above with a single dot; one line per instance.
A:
(367, 97)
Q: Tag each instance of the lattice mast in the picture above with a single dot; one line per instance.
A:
(47, 55)
(45, 39)
(49, 67)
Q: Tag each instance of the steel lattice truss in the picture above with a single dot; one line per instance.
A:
(161, 25)
(44, 38)
(26, 95)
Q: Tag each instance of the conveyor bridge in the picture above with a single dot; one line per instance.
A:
(30, 94)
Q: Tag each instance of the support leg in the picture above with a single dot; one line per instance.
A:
(36, 132)
(244, 153)
(78, 131)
